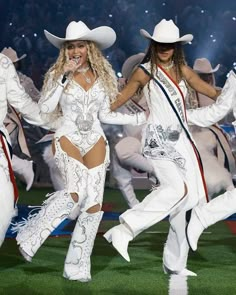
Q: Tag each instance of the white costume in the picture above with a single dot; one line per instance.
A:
(22, 168)
(82, 112)
(206, 215)
(13, 93)
(170, 149)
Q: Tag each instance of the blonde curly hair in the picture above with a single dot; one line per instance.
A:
(100, 66)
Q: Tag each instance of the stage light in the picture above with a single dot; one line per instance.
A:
(110, 15)
(146, 11)
(119, 74)
(10, 24)
(23, 36)
(35, 35)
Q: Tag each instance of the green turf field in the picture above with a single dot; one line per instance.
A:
(215, 262)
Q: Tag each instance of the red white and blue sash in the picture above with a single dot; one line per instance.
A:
(173, 93)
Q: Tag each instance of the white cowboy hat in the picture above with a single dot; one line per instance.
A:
(166, 32)
(11, 53)
(130, 64)
(103, 36)
(203, 66)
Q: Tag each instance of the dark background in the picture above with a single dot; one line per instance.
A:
(213, 24)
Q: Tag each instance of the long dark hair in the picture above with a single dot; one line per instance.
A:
(178, 58)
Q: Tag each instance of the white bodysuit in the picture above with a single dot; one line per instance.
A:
(82, 112)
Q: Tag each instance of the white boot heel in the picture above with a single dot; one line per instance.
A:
(120, 236)
(108, 236)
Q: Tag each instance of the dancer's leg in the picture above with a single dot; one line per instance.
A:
(77, 264)
(156, 206)
(34, 231)
(176, 248)
(207, 214)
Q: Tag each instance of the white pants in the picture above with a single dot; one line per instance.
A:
(173, 197)
(217, 209)
(163, 200)
(176, 248)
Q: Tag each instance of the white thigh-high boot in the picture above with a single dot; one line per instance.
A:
(176, 248)
(34, 231)
(157, 205)
(205, 215)
(77, 264)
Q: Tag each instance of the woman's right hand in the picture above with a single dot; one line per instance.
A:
(70, 66)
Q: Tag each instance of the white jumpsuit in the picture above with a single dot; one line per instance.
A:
(171, 152)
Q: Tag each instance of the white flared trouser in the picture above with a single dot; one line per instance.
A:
(173, 197)
(217, 209)
(176, 248)
(163, 200)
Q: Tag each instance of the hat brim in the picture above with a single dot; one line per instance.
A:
(20, 58)
(167, 39)
(46, 138)
(103, 36)
(130, 64)
(208, 72)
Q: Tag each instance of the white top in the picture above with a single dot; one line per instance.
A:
(82, 111)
